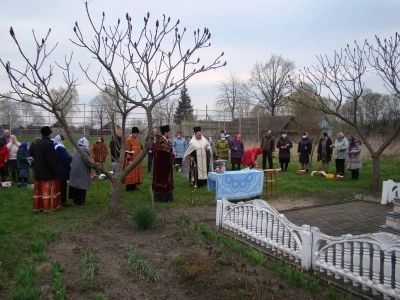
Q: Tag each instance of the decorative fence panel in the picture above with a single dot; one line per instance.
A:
(370, 260)
(260, 222)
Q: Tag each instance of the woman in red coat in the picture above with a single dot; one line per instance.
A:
(250, 157)
(3, 160)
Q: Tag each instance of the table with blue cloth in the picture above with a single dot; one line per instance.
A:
(235, 185)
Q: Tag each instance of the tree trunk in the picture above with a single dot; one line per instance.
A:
(376, 171)
(116, 192)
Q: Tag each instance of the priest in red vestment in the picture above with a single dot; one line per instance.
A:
(163, 176)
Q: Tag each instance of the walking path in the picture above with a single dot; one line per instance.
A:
(355, 217)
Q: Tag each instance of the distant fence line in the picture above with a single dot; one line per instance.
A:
(86, 121)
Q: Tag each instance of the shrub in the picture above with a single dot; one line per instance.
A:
(144, 216)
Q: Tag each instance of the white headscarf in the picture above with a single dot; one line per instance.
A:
(83, 142)
(59, 142)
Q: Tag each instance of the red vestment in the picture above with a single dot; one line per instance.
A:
(163, 178)
(135, 176)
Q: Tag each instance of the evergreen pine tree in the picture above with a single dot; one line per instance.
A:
(184, 111)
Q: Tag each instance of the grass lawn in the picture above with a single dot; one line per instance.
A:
(19, 224)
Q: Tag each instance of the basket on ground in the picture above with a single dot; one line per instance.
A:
(339, 176)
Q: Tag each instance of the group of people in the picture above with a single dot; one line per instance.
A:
(55, 170)
(342, 149)
(15, 159)
(235, 146)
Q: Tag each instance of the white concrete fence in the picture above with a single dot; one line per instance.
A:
(371, 261)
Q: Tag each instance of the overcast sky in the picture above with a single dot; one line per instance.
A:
(247, 31)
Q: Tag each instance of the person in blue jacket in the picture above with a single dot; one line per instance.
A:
(65, 166)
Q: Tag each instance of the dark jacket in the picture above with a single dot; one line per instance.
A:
(115, 148)
(47, 166)
(305, 146)
(284, 153)
(65, 162)
(32, 150)
(22, 162)
(268, 144)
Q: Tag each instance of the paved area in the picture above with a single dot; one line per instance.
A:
(356, 217)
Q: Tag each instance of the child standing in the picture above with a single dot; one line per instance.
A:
(23, 163)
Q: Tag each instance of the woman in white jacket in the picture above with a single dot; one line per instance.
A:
(13, 147)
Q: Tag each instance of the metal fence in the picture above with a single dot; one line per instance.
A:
(86, 120)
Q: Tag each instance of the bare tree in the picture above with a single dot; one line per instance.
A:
(374, 111)
(342, 79)
(66, 99)
(9, 113)
(269, 82)
(104, 108)
(142, 70)
(232, 95)
(37, 119)
(163, 112)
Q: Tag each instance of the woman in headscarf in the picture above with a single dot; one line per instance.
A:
(23, 164)
(13, 147)
(354, 159)
(80, 175)
(237, 151)
(304, 149)
(284, 145)
(65, 166)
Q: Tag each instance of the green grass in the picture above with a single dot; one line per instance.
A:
(58, 285)
(143, 269)
(20, 227)
(91, 267)
(144, 216)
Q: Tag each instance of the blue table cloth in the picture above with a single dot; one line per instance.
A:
(236, 185)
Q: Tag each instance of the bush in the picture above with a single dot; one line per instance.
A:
(144, 217)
